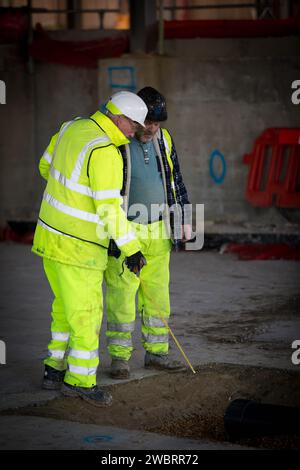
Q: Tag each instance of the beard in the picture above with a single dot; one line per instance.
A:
(144, 136)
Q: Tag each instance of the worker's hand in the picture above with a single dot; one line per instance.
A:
(113, 250)
(135, 262)
(186, 233)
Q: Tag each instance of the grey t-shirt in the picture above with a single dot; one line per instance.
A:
(146, 186)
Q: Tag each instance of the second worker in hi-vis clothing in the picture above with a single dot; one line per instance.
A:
(152, 179)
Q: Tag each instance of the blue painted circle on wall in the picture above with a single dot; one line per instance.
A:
(218, 179)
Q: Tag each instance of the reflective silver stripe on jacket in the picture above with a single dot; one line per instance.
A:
(121, 327)
(148, 338)
(78, 213)
(82, 370)
(47, 157)
(106, 194)
(80, 160)
(125, 239)
(82, 189)
(61, 133)
(79, 354)
(166, 214)
(169, 151)
(165, 142)
(56, 353)
(50, 229)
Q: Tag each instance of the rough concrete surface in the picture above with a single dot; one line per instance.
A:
(26, 432)
(226, 313)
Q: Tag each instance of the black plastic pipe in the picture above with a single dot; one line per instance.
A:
(247, 418)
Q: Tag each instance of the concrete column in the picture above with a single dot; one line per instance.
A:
(285, 9)
(143, 26)
(74, 19)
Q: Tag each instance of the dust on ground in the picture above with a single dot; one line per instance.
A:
(183, 404)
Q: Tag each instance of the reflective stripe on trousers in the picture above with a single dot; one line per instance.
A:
(83, 354)
(78, 307)
(153, 322)
(126, 342)
(82, 370)
(121, 327)
(58, 336)
(150, 338)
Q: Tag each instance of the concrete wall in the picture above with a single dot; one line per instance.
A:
(221, 94)
(36, 104)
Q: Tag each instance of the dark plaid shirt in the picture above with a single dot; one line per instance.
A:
(180, 189)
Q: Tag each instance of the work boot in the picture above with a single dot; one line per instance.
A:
(53, 378)
(119, 369)
(93, 395)
(162, 362)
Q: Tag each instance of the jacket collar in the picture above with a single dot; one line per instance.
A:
(111, 130)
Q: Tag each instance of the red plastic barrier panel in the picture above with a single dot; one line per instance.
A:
(274, 169)
(264, 251)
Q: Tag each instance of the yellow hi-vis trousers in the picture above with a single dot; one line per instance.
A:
(76, 321)
(152, 286)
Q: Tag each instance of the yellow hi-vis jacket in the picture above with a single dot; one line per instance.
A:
(81, 206)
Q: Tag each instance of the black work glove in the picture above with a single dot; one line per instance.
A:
(113, 250)
(135, 262)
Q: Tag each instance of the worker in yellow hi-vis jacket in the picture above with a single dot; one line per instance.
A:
(80, 210)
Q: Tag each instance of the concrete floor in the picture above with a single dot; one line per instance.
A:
(35, 433)
(223, 311)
